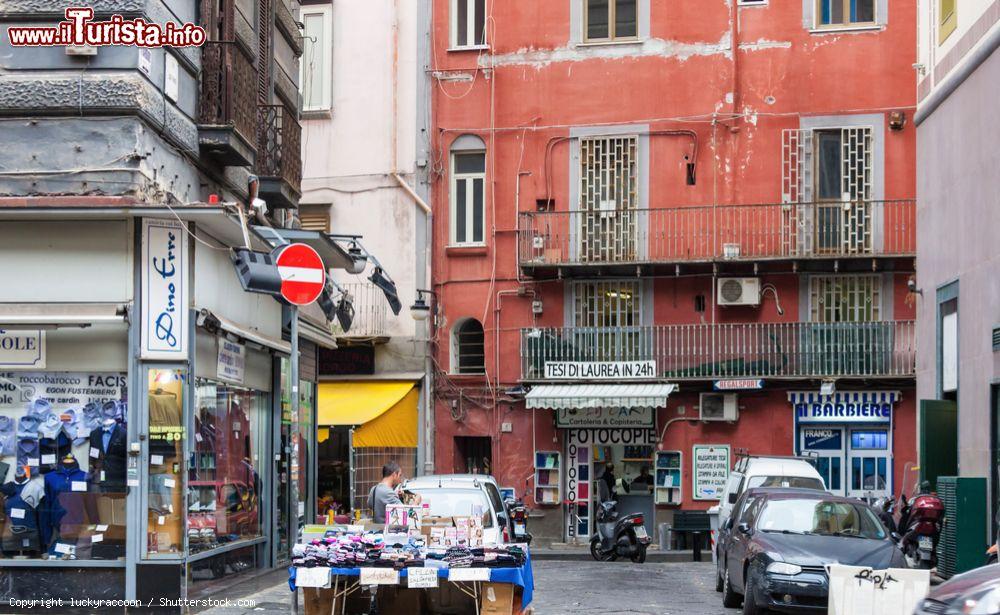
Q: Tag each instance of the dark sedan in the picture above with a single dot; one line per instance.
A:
(976, 592)
(777, 549)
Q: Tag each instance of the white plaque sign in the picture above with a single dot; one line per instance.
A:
(421, 577)
(379, 576)
(165, 307)
(468, 574)
(710, 470)
(231, 363)
(22, 349)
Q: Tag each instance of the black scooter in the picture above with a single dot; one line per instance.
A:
(619, 537)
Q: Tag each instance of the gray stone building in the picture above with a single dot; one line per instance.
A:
(958, 251)
(149, 444)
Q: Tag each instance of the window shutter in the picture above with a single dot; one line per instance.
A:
(315, 219)
(264, 51)
(797, 165)
(857, 160)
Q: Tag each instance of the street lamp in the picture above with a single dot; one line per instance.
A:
(420, 309)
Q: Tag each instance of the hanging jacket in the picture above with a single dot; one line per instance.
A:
(51, 450)
(66, 500)
(110, 461)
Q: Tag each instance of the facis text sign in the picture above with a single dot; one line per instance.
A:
(600, 370)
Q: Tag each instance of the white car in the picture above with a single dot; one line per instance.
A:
(462, 495)
(750, 472)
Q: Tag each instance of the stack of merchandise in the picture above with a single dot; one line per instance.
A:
(344, 548)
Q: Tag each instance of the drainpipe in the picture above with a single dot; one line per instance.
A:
(735, 36)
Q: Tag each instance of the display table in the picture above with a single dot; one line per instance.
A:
(479, 584)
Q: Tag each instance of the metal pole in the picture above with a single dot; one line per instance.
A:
(293, 502)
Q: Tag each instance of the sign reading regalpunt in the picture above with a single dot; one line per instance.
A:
(600, 370)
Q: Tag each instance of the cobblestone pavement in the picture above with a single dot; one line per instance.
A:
(577, 587)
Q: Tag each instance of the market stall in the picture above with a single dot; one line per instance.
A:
(410, 565)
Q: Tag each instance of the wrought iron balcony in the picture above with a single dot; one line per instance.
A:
(706, 234)
(370, 313)
(279, 159)
(733, 350)
(227, 126)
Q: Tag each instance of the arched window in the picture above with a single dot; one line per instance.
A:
(468, 354)
(468, 191)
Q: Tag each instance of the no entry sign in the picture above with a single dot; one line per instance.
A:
(302, 274)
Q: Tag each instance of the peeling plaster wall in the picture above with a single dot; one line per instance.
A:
(538, 85)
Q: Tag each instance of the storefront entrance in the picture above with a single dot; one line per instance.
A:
(589, 452)
(850, 435)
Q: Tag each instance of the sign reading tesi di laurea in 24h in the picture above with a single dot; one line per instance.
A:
(710, 471)
(600, 370)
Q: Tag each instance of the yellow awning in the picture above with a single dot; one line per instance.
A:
(386, 412)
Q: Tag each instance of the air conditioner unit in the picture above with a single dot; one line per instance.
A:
(718, 407)
(739, 291)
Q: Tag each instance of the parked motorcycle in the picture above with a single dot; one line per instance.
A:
(519, 519)
(915, 523)
(619, 536)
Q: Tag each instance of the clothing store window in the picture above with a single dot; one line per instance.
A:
(224, 482)
(62, 465)
(165, 512)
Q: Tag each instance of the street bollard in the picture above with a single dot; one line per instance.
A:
(696, 546)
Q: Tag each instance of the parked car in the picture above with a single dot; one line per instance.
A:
(452, 495)
(976, 592)
(751, 472)
(778, 543)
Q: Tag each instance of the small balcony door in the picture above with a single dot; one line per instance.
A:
(607, 223)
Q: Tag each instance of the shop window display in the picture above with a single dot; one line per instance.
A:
(63, 442)
(166, 462)
(223, 480)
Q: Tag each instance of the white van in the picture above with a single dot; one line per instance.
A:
(753, 471)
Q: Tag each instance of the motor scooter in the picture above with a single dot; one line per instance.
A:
(519, 518)
(917, 523)
(619, 536)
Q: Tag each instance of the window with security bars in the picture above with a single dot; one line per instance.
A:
(609, 186)
(828, 174)
(845, 298)
(607, 317)
(848, 337)
(468, 348)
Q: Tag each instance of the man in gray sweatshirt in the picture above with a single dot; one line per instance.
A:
(384, 492)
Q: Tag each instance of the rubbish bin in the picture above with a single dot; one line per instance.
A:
(665, 536)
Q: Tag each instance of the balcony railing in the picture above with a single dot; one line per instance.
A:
(727, 232)
(370, 312)
(738, 350)
(228, 76)
(279, 137)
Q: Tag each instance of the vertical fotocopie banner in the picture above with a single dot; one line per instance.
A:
(164, 280)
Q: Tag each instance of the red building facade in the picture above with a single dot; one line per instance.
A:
(639, 203)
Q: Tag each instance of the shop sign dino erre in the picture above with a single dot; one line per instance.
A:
(600, 370)
(164, 333)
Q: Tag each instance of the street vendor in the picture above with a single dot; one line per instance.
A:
(385, 492)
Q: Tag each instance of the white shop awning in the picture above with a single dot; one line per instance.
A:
(558, 396)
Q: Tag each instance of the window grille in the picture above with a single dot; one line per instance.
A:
(608, 198)
(469, 354)
(845, 298)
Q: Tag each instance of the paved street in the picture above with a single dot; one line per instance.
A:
(581, 587)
